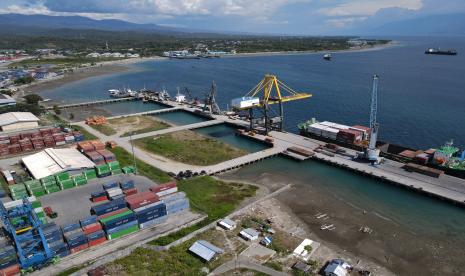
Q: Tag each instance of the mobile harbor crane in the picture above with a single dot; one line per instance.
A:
(371, 153)
(267, 92)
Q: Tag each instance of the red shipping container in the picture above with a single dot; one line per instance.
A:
(36, 134)
(55, 130)
(98, 241)
(129, 192)
(14, 149)
(162, 187)
(79, 248)
(49, 143)
(25, 135)
(141, 199)
(99, 199)
(112, 213)
(10, 271)
(98, 145)
(4, 138)
(91, 228)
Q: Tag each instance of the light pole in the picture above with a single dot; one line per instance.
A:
(133, 155)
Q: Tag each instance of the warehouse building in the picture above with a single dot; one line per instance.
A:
(12, 121)
(52, 161)
(205, 250)
(249, 234)
(6, 100)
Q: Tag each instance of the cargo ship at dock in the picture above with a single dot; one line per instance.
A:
(447, 158)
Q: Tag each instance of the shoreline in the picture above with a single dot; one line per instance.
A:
(119, 66)
(391, 245)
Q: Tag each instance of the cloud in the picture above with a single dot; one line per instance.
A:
(369, 7)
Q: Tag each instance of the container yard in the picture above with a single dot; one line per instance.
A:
(103, 210)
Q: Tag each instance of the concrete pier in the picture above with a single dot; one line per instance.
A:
(64, 106)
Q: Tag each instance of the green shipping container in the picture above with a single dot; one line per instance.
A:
(39, 193)
(43, 220)
(114, 172)
(49, 178)
(17, 188)
(123, 232)
(36, 204)
(69, 183)
(62, 176)
(81, 182)
(114, 165)
(48, 184)
(90, 174)
(110, 218)
(33, 183)
(53, 189)
(102, 169)
(128, 169)
(19, 196)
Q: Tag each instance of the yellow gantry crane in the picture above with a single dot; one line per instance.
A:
(267, 92)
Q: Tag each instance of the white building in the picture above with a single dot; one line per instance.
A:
(249, 234)
(51, 161)
(6, 100)
(301, 252)
(93, 55)
(227, 224)
(18, 120)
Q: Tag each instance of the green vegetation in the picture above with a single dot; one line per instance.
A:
(174, 261)
(155, 127)
(32, 98)
(274, 265)
(125, 159)
(87, 135)
(190, 147)
(24, 80)
(65, 62)
(211, 196)
(23, 107)
(56, 109)
(105, 129)
(70, 271)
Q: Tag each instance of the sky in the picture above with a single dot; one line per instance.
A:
(315, 17)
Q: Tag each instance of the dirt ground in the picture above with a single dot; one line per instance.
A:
(136, 123)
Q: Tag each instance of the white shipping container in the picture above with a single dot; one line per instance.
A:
(60, 143)
(114, 192)
(167, 192)
(69, 138)
(38, 210)
(245, 102)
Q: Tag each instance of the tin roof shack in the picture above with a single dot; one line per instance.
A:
(205, 250)
(337, 267)
(249, 234)
(305, 249)
(6, 100)
(301, 266)
(52, 161)
(18, 120)
(227, 224)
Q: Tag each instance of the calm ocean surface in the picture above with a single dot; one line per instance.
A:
(421, 97)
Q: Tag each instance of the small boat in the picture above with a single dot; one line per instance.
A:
(327, 57)
(116, 93)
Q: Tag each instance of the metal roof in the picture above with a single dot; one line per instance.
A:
(251, 232)
(228, 222)
(16, 117)
(6, 99)
(52, 161)
(335, 269)
(205, 250)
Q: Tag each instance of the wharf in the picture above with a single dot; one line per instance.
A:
(64, 106)
(445, 187)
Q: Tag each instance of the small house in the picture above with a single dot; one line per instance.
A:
(227, 224)
(266, 241)
(205, 250)
(337, 267)
(249, 234)
(302, 251)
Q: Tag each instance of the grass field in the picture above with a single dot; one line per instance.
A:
(136, 125)
(104, 129)
(125, 159)
(211, 196)
(190, 147)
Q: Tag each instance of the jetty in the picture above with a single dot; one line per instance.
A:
(100, 102)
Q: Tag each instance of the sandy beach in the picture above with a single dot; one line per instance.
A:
(388, 245)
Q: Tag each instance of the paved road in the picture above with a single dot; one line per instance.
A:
(122, 247)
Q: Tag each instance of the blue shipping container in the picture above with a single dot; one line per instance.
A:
(127, 185)
(154, 210)
(8, 263)
(153, 222)
(77, 243)
(121, 227)
(151, 217)
(70, 237)
(110, 185)
(96, 235)
(88, 220)
(108, 207)
(70, 227)
(151, 205)
(98, 194)
(119, 221)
